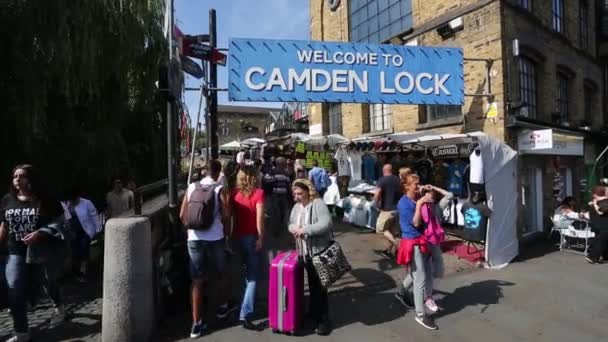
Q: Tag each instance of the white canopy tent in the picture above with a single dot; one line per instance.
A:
(332, 140)
(500, 174)
(231, 146)
(253, 141)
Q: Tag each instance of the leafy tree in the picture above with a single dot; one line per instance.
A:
(78, 91)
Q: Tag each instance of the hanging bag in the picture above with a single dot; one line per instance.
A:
(331, 263)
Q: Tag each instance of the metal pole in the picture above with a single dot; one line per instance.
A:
(212, 88)
(171, 162)
(198, 118)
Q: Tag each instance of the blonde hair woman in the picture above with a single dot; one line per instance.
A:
(248, 233)
(310, 221)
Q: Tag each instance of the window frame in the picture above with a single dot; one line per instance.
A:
(380, 112)
(334, 114)
(589, 99)
(528, 85)
(562, 99)
(450, 112)
(525, 4)
(583, 24)
(389, 18)
(558, 16)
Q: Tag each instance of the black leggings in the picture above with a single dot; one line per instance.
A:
(319, 299)
(600, 245)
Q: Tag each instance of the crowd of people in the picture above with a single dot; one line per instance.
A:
(38, 233)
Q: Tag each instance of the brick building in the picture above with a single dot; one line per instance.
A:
(240, 123)
(534, 61)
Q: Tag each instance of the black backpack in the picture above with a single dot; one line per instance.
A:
(200, 212)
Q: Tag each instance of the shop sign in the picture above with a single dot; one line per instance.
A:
(316, 71)
(314, 130)
(452, 151)
(549, 142)
(535, 140)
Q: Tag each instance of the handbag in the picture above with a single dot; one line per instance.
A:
(331, 263)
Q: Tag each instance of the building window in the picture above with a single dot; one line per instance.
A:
(526, 4)
(375, 21)
(589, 103)
(335, 118)
(558, 15)
(562, 97)
(527, 86)
(442, 112)
(583, 20)
(380, 117)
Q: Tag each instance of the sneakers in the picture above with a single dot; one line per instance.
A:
(323, 328)
(426, 322)
(431, 306)
(59, 314)
(405, 300)
(249, 325)
(198, 329)
(591, 261)
(20, 337)
(224, 310)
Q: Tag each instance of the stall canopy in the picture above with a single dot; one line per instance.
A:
(332, 140)
(500, 174)
(231, 146)
(253, 141)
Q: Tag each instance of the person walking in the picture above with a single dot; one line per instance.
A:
(310, 223)
(118, 200)
(82, 216)
(28, 221)
(319, 178)
(280, 197)
(387, 195)
(248, 234)
(206, 244)
(413, 249)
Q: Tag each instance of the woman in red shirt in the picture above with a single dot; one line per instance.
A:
(248, 233)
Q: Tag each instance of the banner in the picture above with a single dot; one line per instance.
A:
(314, 71)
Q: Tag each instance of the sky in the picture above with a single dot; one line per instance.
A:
(277, 19)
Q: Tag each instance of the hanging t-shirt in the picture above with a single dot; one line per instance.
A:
(456, 178)
(354, 159)
(476, 168)
(475, 221)
(342, 162)
(424, 169)
(25, 217)
(440, 174)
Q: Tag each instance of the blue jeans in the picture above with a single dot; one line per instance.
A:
(22, 280)
(251, 261)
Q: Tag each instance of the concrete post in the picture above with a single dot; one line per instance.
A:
(128, 302)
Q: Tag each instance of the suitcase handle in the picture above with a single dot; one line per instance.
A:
(284, 294)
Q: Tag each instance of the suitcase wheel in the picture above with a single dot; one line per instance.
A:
(275, 331)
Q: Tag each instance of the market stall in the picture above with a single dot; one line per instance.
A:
(495, 165)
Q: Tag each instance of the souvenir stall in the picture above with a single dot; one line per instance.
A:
(482, 174)
(359, 166)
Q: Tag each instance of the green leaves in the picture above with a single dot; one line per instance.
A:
(78, 91)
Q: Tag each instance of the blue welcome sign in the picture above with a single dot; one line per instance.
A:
(314, 71)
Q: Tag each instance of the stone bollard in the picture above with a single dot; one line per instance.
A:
(128, 302)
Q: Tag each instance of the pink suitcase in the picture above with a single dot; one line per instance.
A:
(286, 293)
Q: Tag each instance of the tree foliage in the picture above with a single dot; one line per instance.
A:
(78, 90)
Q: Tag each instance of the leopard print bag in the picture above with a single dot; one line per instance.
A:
(331, 264)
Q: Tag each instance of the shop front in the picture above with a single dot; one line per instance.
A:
(552, 168)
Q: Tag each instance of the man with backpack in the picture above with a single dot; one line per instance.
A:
(277, 188)
(319, 178)
(205, 212)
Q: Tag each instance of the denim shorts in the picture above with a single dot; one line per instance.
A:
(206, 256)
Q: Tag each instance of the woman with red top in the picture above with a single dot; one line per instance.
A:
(248, 234)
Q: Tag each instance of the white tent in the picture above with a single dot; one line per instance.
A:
(231, 146)
(500, 174)
(332, 140)
(253, 141)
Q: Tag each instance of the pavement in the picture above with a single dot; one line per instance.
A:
(544, 296)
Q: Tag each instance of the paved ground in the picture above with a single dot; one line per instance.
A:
(546, 296)
(83, 302)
